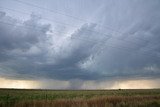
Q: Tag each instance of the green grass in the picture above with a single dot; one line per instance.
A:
(80, 98)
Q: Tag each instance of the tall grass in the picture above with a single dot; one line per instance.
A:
(97, 98)
(115, 101)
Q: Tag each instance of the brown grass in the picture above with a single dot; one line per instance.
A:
(111, 101)
(79, 98)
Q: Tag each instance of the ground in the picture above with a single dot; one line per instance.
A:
(79, 98)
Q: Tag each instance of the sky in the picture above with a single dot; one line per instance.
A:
(80, 44)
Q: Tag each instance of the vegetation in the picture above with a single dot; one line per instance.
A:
(79, 98)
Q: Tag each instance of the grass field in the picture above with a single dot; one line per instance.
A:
(79, 98)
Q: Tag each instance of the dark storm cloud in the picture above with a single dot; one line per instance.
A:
(20, 41)
(135, 49)
(20, 36)
(30, 50)
(24, 49)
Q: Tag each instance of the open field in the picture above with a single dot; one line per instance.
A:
(79, 98)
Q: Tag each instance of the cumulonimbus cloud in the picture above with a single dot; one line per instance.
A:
(30, 49)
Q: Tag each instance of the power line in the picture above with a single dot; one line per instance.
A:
(53, 11)
(85, 39)
(72, 26)
(51, 20)
(113, 47)
(89, 41)
(77, 18)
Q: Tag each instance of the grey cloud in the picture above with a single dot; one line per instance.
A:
(21, 36)
(27, 64)
(19, 41)
(139, 47)
(90, 53)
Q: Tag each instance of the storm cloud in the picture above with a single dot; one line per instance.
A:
(121, 42)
